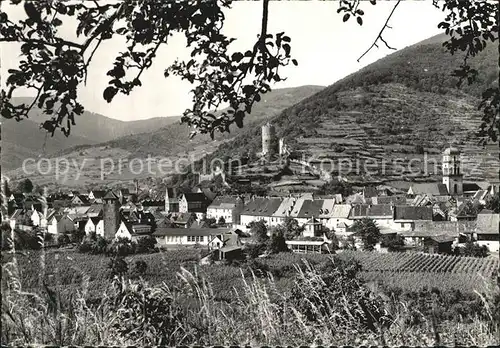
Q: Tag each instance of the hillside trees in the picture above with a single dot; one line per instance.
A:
(54, 67)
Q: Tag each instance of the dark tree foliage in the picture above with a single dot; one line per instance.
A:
(117, 266)
(258, 230)
(493, 203)
(140, 267)
(471, 249)
(55, 67)
(334, 187)
(393, 242)
(368, 231)
(25, 186)
(277, 242)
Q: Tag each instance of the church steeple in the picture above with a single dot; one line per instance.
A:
(452, 174)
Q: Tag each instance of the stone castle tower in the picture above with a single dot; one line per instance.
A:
(268, 139)
(111, 215)
(452, 175)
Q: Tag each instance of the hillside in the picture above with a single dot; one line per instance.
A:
(25, 139)
(385, 110)
(174, 139)
(171, 141)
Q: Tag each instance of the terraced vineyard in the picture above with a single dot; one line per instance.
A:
(418, 270)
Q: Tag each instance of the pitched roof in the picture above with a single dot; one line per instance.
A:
(487, 223)
(230, 248)
(310, 208)
(423, 228)
(261, 206)
(98, 193)
(380, 210)
(224, 202)
(285, 207)
(435, 189)
(442, 238)
(326, 210)
(109, 195)
(181, 218)
(389, 200)
(82, 198)
(341, 211)
(95, 220)
(195, 197)
(408, 212)
(16, 214)
(470, 187)
(94, 209)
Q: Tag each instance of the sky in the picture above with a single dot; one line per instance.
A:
(325, 47)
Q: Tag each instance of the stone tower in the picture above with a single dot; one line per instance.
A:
(111, 215)
(268, 139)
(452, 175)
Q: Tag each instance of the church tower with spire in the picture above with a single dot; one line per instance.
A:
(452, 174)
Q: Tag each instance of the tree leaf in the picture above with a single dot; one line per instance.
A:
(109, 93)
(360, 20)
(346, 17)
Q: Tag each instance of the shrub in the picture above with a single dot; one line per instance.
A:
(253, 250)
(62, 239)
(471, 249)
(316, 292)
(146, 244)
(221, 221)
(122, 247)
(147, 313)
(117, 266)
(140, 267)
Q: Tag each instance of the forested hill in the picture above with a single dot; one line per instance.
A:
(408, 98)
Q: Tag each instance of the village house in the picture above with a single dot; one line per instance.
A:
(226, 246)
(482, 196)
(406, 215)
(283, 211)
(182, 220)
(333, 217)
(441, 244)
(432, 189)
(228, 208)
(194, 203)
(260, 208)
(125, 231)
(313, 228)
(458, 231)
(308, 246)
(187, 236)
(382, 214)
(59, 223)
(91, 225)
(486, 230)
(172, 200)
(80, 200)
(96, 196)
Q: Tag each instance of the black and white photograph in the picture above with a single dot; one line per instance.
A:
(250, 173)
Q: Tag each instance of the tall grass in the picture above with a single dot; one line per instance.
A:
(323, 306)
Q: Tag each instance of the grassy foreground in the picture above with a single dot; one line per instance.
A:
(274, 301)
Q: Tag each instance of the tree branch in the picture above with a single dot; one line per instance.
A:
(379, 36)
